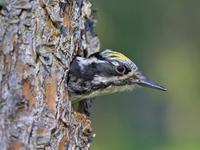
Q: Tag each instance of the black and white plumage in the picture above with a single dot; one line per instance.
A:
(103, 73)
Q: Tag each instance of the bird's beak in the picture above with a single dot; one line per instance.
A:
(144, 81)
(151, 84)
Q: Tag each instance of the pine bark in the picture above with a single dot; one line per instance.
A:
(38, 40)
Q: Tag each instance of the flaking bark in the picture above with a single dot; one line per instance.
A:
(38, 40)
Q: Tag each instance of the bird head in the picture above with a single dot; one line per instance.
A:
(105, 72)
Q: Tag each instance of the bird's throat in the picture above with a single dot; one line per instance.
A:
(106, 91)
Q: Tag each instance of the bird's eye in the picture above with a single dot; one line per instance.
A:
(121, 69)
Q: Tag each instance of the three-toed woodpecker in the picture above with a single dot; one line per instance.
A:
(103, 73)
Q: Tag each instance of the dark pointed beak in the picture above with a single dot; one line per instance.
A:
(141, 80)
(151, 84)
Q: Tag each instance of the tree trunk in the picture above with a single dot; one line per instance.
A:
(38, 40)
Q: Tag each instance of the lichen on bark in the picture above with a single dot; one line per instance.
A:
(38, 40)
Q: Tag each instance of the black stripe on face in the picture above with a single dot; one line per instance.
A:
(102, 69)
(97, 55)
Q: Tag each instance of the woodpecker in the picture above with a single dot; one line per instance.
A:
(105, 72)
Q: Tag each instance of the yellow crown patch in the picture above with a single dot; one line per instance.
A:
(116, 55)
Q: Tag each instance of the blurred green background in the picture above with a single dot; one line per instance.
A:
(163, 39)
